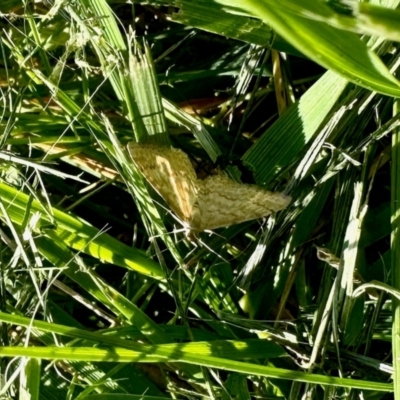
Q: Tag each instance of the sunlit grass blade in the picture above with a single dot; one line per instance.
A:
(300, 123)
(176, 353)
(77, 234)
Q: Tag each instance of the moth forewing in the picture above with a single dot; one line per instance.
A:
(170, 173)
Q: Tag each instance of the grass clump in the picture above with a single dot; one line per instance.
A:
(103, 296)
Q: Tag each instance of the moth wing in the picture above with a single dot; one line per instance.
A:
(170, 173)
(223, 202)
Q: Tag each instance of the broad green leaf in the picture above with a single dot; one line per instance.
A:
(301, 24)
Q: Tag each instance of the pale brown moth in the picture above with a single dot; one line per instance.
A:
(207, 204)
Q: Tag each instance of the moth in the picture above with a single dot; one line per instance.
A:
(207, 204)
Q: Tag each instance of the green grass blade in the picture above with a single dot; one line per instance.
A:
(78, 234)
(30, 378)
(175, 353)
(202, 15)
(395, 248)
(288, 136)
